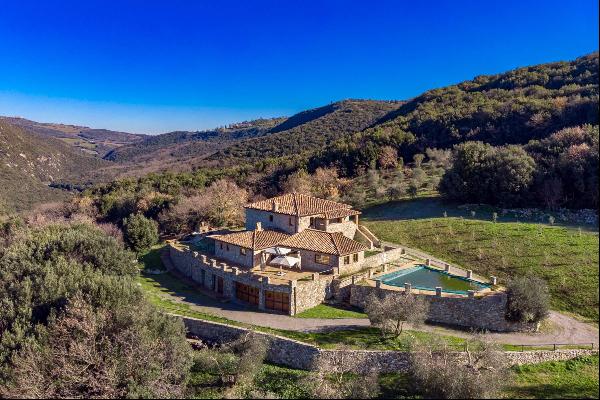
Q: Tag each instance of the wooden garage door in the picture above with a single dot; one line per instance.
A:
(277, 301)
(247, 293)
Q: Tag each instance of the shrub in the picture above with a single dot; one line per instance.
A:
(439, 372)
(528, 299)
(140, 232)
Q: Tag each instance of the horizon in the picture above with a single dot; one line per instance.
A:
(203, 66)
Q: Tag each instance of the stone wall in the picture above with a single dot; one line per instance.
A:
(232, 253)
(309, 294)
(347, 228)
(487, 312)
(295, 354)
(280, 221)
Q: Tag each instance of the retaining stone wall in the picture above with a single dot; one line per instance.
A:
(295, 354)
(486, 312)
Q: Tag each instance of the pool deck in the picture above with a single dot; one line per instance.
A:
(395, 267)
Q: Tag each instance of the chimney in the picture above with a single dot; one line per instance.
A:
(275, 206)
(259, 226)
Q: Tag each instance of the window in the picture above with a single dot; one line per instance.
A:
(227, 247)
(242, 251)
(271, 218)
(291, 221)
(339, 220)
(322, 259)
(221, 245)
(346, 260)
(355, 257)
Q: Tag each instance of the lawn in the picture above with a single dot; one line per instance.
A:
(331, 312)
(572, 379)
(151, 258)
(566, 257)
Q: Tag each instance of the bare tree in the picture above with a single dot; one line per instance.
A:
(388, 157)
(325, 183)
(298, 182)
(439, 371)
(391, 312)
(333, 378)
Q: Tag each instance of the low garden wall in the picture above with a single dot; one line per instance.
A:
(486, 312)
(298, 355)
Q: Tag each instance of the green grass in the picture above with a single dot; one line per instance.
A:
(566, 258)
(577, 378)
(151, 258)
(331, 312)
(573, 379)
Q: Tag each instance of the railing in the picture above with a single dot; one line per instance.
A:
(531, 347)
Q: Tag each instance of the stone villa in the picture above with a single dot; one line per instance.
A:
(293, 247)
(320, 234)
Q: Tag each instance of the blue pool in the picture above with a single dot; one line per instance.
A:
(426, 278)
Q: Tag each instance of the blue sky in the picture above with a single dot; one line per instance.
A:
(152, 67)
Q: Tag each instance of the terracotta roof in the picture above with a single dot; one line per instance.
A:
(298, 204)
(338, 213)
(323, 242)
(255, 240)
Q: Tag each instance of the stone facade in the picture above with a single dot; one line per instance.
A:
(299, 355)
(487, 312)
(221, 278)
(271, 220)
(233, 254)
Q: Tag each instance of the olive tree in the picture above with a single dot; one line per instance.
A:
(439, 371)
(528, 299)
(390, 313)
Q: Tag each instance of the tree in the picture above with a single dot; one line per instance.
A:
(388, 157)
(330, 379)
(439, 371)
(528, 299)
(69, 303)
(111, 353)
(390, 313)
(140, 232)
(418, 159)
(298, 182)
(223, 203)
(325, 183)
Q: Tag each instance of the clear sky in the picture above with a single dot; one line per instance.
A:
(152, 67)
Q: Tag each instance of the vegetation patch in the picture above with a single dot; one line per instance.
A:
(331, 312)
(572, 379)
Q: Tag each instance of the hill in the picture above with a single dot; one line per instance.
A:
(509, 108)
(303, 133)
(29, 162)
(92, 141)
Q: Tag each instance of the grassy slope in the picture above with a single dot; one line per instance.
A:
(566, 257)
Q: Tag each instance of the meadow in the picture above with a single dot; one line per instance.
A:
(565, 256)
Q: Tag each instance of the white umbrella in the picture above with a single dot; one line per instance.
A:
(278, 251)
(285, 261)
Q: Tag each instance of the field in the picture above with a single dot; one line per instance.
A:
(565, 256)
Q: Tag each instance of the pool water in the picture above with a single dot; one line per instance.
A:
(423, 277)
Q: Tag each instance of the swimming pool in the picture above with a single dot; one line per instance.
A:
(426, 278)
